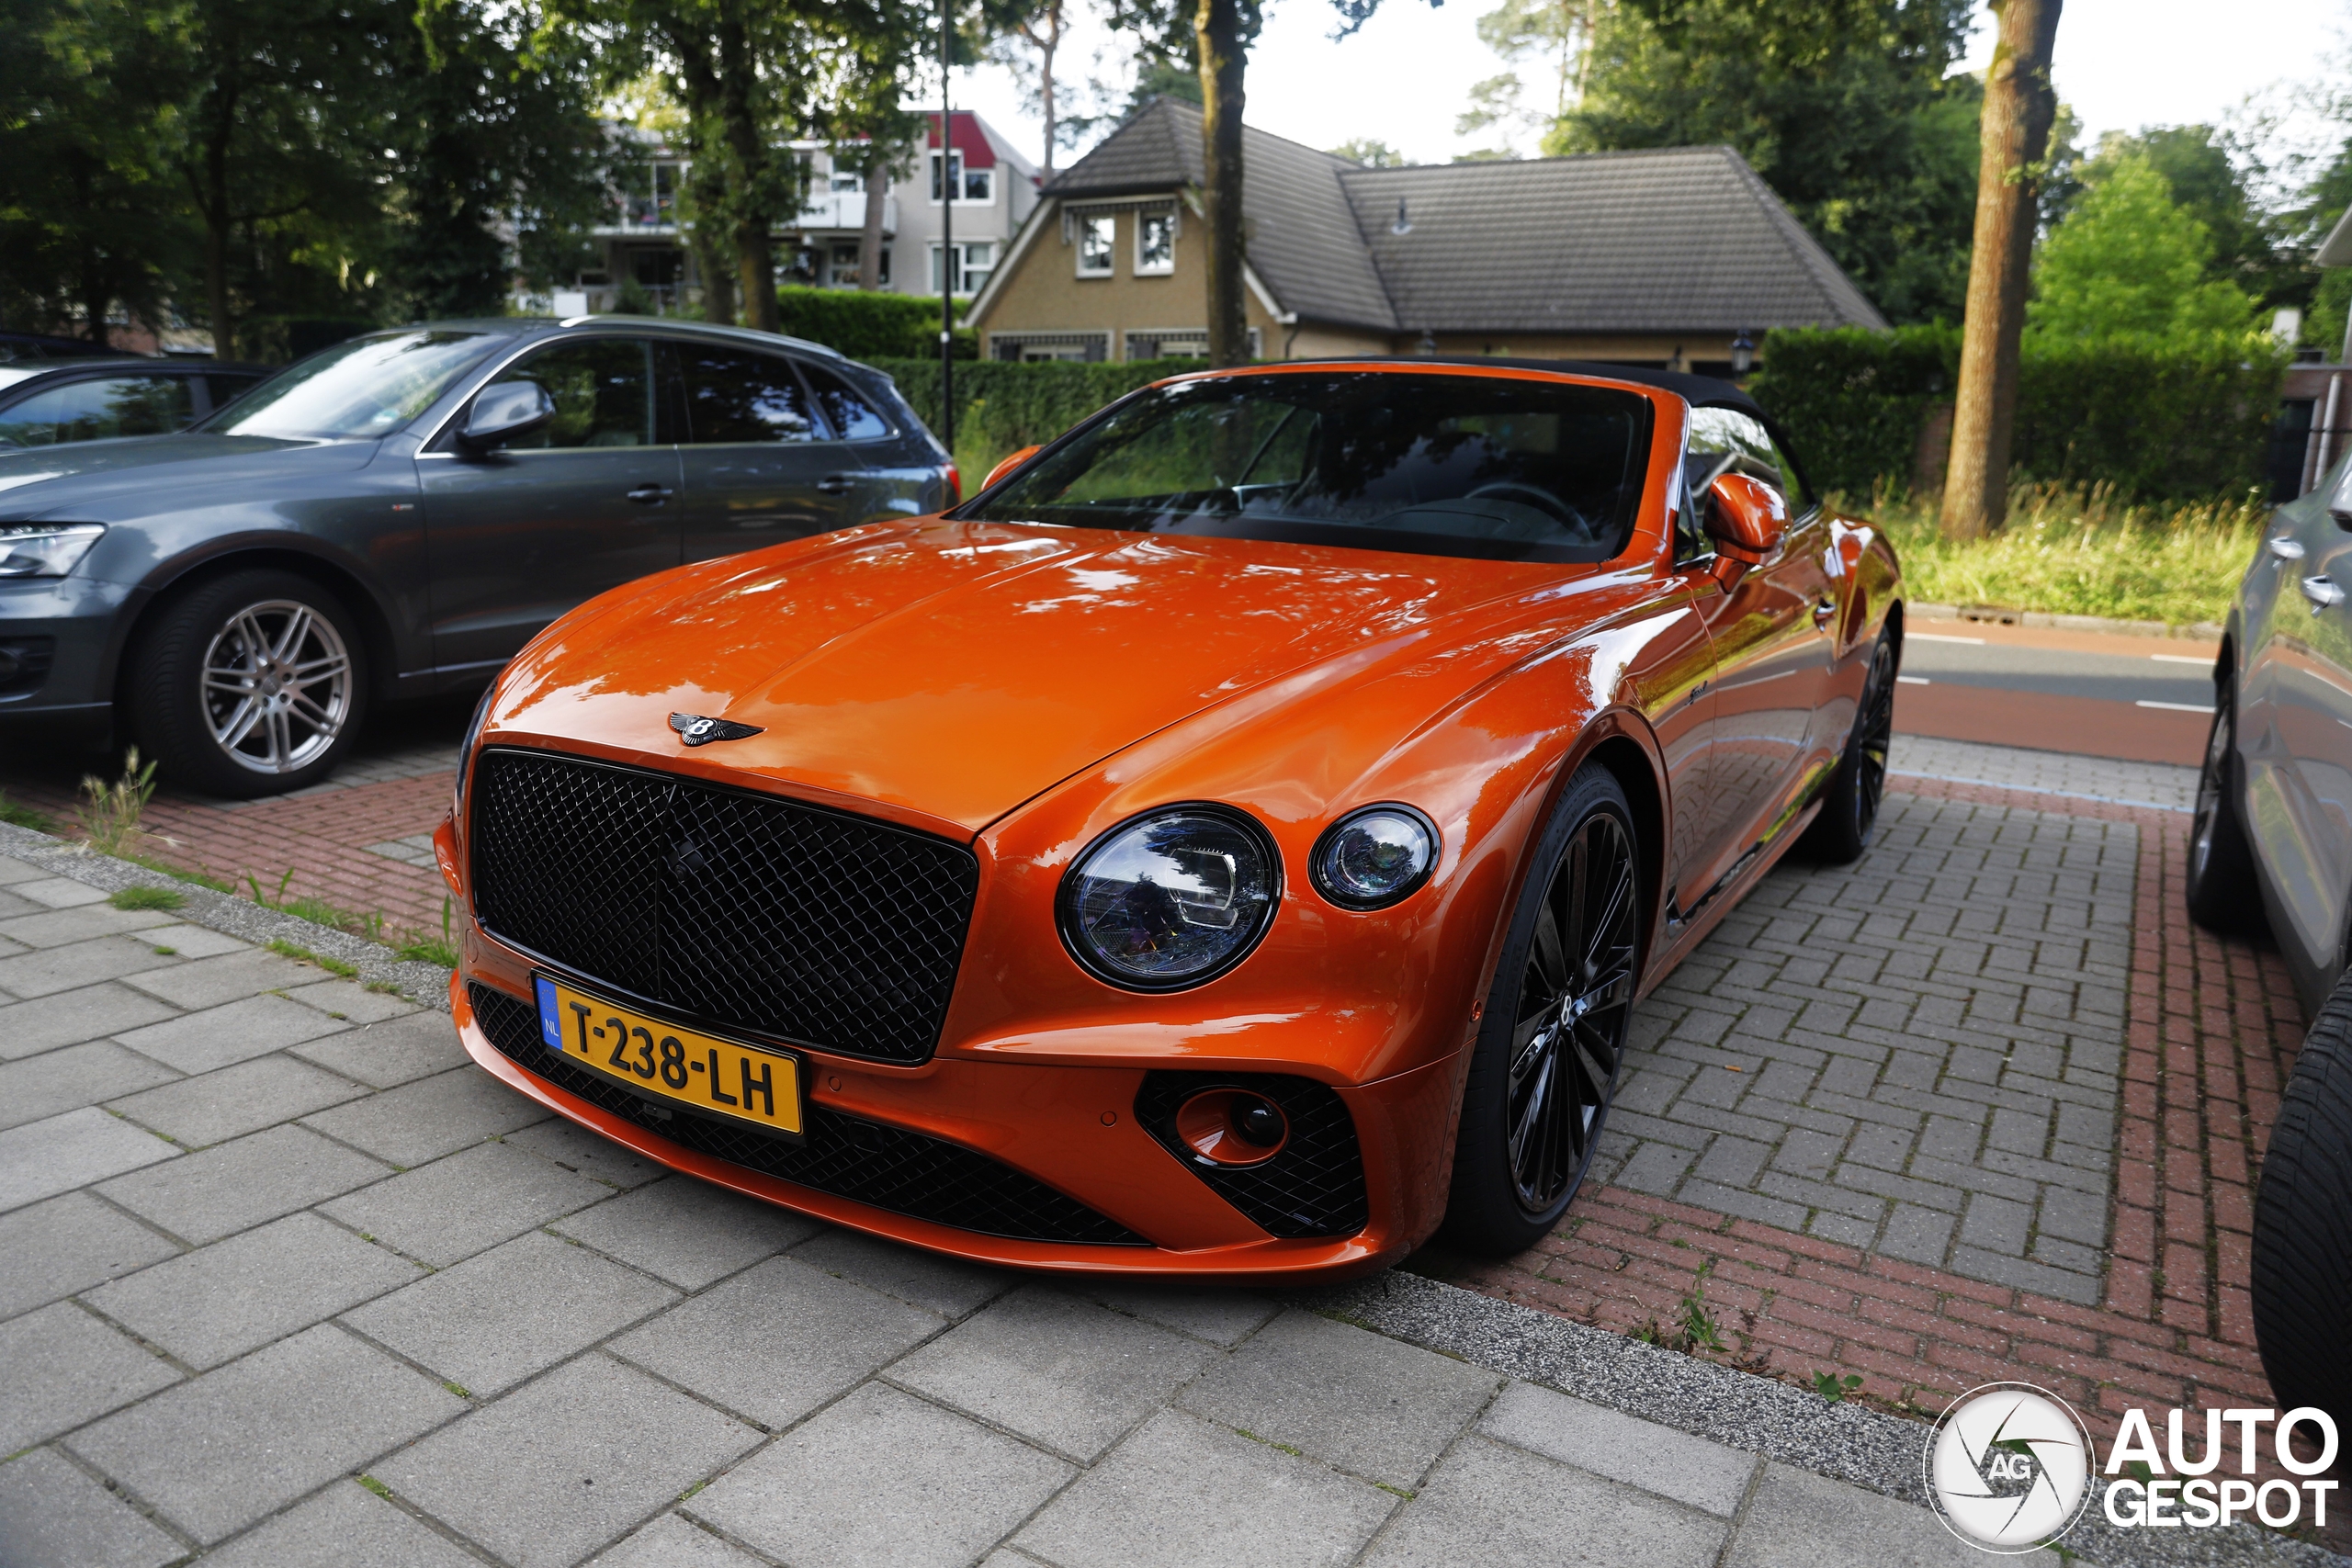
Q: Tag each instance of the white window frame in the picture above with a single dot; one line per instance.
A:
(974, 277)
(1109, 231)
(964, 177)
(1144, 220)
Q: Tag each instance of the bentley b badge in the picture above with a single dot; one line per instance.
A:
(697, 730)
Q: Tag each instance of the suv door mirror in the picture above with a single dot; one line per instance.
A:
(1004, 469)
(1745, 517)
(504, 411)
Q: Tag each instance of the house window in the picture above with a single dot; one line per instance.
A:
(1092, 348)
(847, 179)
(973, 262)
(1155, 242)
(648, 193)
(1096, 235)
(973, 186)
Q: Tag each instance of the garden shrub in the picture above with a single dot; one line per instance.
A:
(2154, 417)
(877, 325)
(1001, 407)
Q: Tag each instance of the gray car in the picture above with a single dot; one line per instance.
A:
(2271, 845)
(396, 517)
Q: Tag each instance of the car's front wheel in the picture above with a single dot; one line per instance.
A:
(2302, 1225)
(1849, 801)
(1547, 1058)
(2221, 893)
(252, 683)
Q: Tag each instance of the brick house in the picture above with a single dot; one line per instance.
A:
(1661, 258)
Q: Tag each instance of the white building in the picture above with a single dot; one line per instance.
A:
(995, 188)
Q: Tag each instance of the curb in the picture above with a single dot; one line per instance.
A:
(1854, 1443)
(424, 984)
(2201, 631)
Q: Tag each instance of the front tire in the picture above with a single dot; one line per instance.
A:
(1549, 1052)
(2302, 1225)
(1849, 801)
(250, 684)
(2223, 897)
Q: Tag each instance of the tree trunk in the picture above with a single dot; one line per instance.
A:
(1217, 26)
(869, 242)
(705, 177)
(95, 295)
(215, 208)
(1046, 45)
(748, 153)
(2020, 106)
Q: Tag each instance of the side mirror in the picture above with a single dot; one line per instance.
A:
(1004, 469)
(1745, 517)
(504, 411)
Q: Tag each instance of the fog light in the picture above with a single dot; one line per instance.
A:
(1231, 1126)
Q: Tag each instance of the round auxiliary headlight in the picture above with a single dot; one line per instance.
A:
(1170, 899)
(1374, 856)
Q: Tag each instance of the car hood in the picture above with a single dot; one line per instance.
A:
(36, 481)
(953, 671)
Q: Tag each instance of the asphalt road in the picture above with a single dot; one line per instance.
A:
(2159, 677)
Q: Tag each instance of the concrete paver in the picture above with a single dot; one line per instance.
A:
(1798, 1516)
(671, 1541)
(945, 1285)
(43, 1158)
(51, 1512)
(345, 1526)
(430, 1117)
(546, 1476)
(1501, 1507)
(69, 1079)
(214, 1107)
(1608, 1442)
(687, 1232)
(465, 1202)
(235, 1186)
(232, 1032)
(67, 1367)
(882, 1479)
(413, 1044)
(68, 1018)
(66, 1245)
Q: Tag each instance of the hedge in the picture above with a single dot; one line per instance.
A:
(869, 326)
(1001, 406)
(2156, 419)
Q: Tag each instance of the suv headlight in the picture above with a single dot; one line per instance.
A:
(1170, 899)
(44, 549)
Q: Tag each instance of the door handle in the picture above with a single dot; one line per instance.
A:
(1823, 611)
(650, 494)
(833, 484)
(2285, 549)
(2322, 593)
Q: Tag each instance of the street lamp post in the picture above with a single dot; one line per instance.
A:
(946, 234)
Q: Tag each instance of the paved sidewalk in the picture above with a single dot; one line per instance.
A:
(288, 1281)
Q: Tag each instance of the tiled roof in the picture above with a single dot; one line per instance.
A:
(1684, 239)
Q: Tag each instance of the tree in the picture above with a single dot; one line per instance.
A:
(2020, 106)
(1026, 38)
(1555, 33)
(1843, 107)
(2129, 260)
(1371, 154)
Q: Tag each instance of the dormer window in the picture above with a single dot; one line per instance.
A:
(1155, 243)
(1097, 236)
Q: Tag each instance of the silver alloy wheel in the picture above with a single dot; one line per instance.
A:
(277, 686)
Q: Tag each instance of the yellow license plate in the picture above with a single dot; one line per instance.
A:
(719, 1077)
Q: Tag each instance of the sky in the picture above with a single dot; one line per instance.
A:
(2121, 64)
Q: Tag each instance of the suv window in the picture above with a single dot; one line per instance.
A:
(732, 396)
(603, 389)
(97, 409)
(848, 412)
(1727, 441)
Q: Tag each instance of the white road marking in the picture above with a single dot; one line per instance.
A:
(2181, 659)
(2175, 707)
(1911, 681)
(1940, 637)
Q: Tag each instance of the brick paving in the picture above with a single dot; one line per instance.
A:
(289, 1282)
(2209, 1028)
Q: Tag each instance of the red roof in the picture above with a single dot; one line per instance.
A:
(969, 139)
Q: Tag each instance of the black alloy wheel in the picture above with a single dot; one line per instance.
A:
(1849, 801)
(2301, 1268)
(2221, 893)
(1552, 1046)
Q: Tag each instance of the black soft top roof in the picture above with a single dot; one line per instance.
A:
(1698, 391)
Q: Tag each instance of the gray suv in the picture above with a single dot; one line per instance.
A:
(2271, 845)
(397, 516)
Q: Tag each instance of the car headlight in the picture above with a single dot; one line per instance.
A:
(45, 549)
(1173, 898)
(1374, 857)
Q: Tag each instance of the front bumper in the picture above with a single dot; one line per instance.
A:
(1073, 1129)
(72, 620)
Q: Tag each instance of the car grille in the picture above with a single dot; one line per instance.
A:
(743, 909)
(888, 1167)
(1314, 1187)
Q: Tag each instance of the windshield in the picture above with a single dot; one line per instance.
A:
(356, 390)
(1488, 466)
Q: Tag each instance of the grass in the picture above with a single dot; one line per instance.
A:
(146, 898)
(304, 955)
(109, 820)
(25, 815)
(2075, 551)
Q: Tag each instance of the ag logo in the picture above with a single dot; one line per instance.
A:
(2008, 1467)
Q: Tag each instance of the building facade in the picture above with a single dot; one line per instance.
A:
(643, 261)
(1664, 258)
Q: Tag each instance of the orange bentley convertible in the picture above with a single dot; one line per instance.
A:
(1232, 844)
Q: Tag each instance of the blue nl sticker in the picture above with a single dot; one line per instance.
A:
(549, 1029)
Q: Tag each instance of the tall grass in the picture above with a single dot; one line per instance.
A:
(2077, 551)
